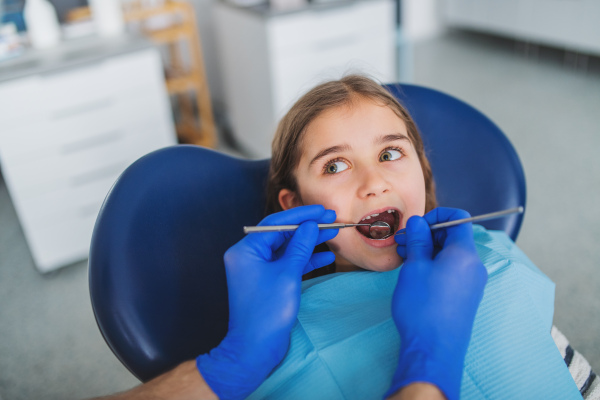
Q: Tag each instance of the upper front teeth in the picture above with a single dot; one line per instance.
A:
(375, 215)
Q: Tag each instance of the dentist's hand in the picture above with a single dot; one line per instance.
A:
(264, 274)
(439, 290)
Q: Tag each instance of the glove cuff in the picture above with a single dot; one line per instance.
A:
(227, 375)
(417, 365)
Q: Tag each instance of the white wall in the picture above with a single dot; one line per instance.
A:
(204, 17)
(421, 19)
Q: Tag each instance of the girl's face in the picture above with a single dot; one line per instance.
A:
(359, 161)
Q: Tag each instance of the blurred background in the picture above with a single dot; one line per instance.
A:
(86, 88)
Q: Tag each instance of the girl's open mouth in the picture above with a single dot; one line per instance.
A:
(390, 217)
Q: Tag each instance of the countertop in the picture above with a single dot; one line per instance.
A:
(68, 54)
(265, 10)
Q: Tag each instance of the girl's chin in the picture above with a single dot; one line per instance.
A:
(364, 258)
(384, 266)
(381, 268)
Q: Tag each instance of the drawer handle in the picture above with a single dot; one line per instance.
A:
(93, 141)
(83, 108)
(337, 42)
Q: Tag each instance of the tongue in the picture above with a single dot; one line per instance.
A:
(384, 216)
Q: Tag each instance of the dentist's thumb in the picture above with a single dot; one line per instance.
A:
(419, 244)
(302, 245)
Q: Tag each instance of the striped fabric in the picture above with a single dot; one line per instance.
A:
(586, 380)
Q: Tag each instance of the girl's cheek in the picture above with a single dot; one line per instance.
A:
(339, 242)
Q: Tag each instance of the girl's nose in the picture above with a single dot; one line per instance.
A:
(373, 183)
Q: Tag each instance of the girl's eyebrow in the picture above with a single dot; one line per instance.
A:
(391, 138)
(345, 147)
(329, 150)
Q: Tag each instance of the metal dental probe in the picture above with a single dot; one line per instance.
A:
(482, 217)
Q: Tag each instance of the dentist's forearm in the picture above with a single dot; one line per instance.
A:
(182, 383)
(418, 391)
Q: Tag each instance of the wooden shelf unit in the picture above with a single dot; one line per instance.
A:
(187, 83)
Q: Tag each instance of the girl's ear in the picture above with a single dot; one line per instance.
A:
(288, 199)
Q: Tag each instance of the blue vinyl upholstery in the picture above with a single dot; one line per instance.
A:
(474, 165)
(157, 278)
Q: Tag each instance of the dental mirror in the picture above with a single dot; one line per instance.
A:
(380, 230)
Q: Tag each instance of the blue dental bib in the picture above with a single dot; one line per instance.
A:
(345, 344)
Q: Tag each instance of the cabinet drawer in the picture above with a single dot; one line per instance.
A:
(294, 74)
(60, 244)
(66, 93)
(50, 138)
(65, 202)
(73, 91)
(19, 101)
(86, 164)
(328, 28)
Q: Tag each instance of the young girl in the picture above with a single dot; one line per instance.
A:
(351, 147)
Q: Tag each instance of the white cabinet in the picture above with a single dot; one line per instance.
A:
(270, 59)
(65, 137)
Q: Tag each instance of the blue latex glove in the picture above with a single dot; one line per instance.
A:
(264, 275)
(439, 290)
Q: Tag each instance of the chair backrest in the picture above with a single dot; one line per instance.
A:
(157, 278)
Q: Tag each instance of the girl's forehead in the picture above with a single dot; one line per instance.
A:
(359, 123)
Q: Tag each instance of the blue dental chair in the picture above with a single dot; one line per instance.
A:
(157, 278)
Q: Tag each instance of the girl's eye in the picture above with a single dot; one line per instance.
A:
(335, 167)
(390, 155)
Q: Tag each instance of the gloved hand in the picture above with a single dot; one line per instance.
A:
(264, 275)
(435, 301)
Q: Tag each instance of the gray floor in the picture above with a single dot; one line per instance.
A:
(50, 347)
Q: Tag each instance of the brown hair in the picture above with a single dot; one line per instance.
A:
(287, 144)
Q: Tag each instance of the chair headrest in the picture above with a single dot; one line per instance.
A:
(475, 167)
